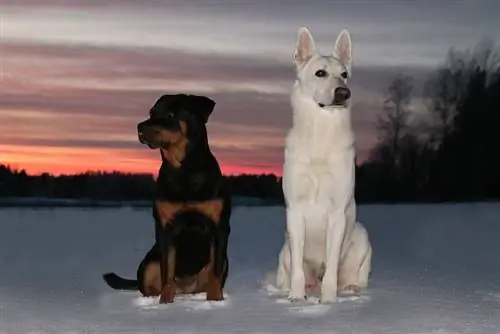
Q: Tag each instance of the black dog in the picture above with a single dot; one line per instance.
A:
(192, 205)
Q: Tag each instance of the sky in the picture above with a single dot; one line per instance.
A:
(77, 76)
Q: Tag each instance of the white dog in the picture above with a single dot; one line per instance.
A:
(324, 243)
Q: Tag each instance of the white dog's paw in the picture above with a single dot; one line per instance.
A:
(350, 290)
(295, 295)
(328, 298)
(328, 293)
(297, 288)
(296, 298)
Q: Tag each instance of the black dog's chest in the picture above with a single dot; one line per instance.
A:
(192, 187)
(196, 181)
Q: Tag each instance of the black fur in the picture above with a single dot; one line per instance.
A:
(198, 179)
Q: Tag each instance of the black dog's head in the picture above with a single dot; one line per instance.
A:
(175, 123)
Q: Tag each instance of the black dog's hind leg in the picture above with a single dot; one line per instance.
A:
(167, 264)
(222, 232)
(220, 265)
(220, 248)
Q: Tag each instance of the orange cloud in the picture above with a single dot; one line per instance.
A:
(64, 160)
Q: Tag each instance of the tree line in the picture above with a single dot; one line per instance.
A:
(117, 186)
(446, 152)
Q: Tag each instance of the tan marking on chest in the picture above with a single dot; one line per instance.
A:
(167, 211)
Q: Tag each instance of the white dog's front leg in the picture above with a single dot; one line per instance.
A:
(335, 234)
(296, 236)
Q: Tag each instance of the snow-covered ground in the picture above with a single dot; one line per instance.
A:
(436, 269)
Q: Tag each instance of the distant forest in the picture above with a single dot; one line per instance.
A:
(449, 153)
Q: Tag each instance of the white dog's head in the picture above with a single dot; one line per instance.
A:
(324, 78)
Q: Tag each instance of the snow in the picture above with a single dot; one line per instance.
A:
(436, 269)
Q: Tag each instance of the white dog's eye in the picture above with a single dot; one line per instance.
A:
(344, 75)
(321, 73)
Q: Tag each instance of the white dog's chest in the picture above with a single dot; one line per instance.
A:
(315, 238)
(317, 137)
(316, 233)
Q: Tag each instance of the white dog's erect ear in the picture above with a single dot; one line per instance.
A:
(343, 48)
(305, 48)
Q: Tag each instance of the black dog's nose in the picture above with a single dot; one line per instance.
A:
(141, 129)
(145, 130)
(342, 94)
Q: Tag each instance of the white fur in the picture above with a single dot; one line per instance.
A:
(323, 241)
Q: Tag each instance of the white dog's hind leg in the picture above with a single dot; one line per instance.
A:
(355, 267)
(283, 272)
(366, 267)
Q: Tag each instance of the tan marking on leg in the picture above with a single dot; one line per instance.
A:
(214, 287)
(152, 279)
(168, 290)
(167, 211)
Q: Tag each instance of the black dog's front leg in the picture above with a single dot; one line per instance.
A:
(219, 265)
(217, 262)
(167, 263)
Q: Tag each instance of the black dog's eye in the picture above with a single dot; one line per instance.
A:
(321, 73)
(170, 115)
(344, 75)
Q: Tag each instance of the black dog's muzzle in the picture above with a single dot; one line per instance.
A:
(149, 133)
(145, 132)
(150, 130)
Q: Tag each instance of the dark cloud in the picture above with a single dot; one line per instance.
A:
(75, 143)
(402, 21)
(66, 3)
(120, 63)
(115, 65)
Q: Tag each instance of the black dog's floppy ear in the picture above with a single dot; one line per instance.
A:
(202, 106)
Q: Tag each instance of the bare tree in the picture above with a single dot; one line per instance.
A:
(393, 124)
(442, 92)
(486, 56)
(445, 88)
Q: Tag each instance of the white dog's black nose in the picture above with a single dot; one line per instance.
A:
(342, 94)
